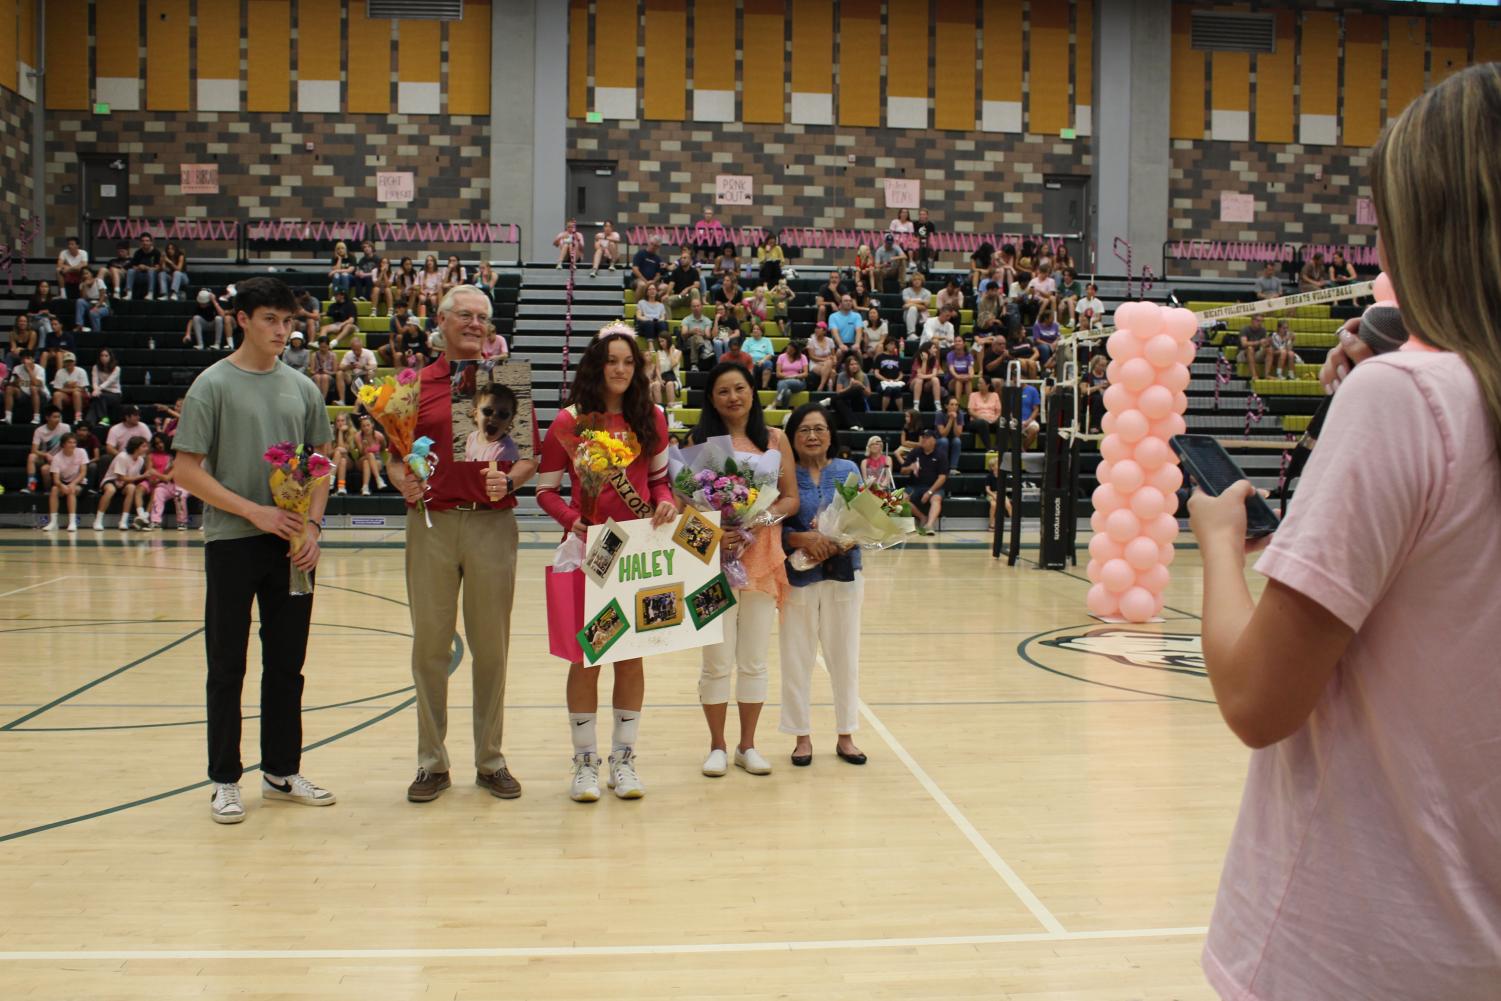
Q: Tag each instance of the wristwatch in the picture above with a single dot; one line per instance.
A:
(510, 485)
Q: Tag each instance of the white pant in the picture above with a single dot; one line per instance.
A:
(824, 614)
(747, 635)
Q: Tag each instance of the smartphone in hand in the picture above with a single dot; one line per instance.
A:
(1212, 470)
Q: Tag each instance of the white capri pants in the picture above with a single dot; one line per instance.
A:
(827, 615)
(747, 636)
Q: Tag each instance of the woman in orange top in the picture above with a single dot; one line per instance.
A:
(732, 408)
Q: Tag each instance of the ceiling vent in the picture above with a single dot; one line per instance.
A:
(1233, 31)
(415, 10)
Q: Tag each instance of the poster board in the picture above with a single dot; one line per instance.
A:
(733, 189)
(1237, 207)
(199, 178)
(901, 193)
(395, 186)
(656, 596)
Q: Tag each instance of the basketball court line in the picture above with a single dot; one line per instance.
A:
(574, 951)
(1008, 875)
(33, 587)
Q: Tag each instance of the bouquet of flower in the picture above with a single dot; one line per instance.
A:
(857, 516)
(896, 507)
(295, 472)
(392, 402)
(597, 454)
(712, 477)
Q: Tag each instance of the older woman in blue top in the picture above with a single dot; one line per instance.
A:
(823, 608)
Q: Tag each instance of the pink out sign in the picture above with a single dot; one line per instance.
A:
(200, 178)
(902, 193)
(395, 186)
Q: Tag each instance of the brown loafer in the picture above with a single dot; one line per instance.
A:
(427, 786)
(501, 784)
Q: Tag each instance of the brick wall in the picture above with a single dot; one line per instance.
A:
(971, 182)
(15, 165)
(1304, 194)
(265, 171)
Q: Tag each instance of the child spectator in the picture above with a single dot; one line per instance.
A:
(875, 468)
(993, 489)
(126, 475)
(370, 444)
(323, 367)
(888, 371)
(68, 467)
(865, 265)
(26, 378)
(570, 243)
(1089, 312)
(163, 487)
(1045, 334)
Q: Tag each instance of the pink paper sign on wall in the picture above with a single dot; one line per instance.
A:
(1365, 212)
(395, 186)
(1236, 207)
(902, 193)
(733, 189)
(200, 179)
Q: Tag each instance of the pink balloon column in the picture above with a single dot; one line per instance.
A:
(1134, 504)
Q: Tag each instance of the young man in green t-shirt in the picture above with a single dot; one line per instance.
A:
(234, 411)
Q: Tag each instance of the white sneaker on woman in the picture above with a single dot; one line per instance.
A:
(750, 759)
(585, 785)
(717, 763)
(623, 778)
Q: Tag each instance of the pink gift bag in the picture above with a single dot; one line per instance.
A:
(565, 613)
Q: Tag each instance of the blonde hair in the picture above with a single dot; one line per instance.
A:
(1436, 182)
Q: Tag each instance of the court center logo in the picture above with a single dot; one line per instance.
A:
(1135, 660)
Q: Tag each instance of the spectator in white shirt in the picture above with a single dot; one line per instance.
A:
(357, 367)
(126, 475)
(1089, 312)
(939, 330)
(606, 248)
(26, 379)
(70, 385)
(92, 303)
(69, 471)
(70, 266)
(46, 441)
(570, 243)
(1042, 294)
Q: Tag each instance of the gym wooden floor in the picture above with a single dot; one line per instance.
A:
(1044, 813)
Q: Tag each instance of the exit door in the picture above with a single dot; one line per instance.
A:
(1066, 216)
(104, 192)
(593, 196)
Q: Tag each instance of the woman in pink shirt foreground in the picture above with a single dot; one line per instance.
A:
(1366, 862)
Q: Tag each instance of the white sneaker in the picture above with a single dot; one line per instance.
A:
(73, 524)
(716, 764)
(750, 759)
(623, 778)
(124, 522)
(36, 418)
(51, 525)
(585, 785)
(295, 789)
(225, 806)
(99, 524)
(365, 490)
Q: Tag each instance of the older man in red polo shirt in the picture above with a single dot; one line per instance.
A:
(471, 544)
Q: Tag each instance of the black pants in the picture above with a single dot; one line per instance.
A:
(850, 406)
(240, 570)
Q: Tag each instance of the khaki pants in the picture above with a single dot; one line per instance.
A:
(477, 549)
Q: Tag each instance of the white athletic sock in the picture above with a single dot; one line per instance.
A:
(627, 721)
(581, 729)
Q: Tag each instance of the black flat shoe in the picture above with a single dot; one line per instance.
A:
(803, 760)
(854, 759)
